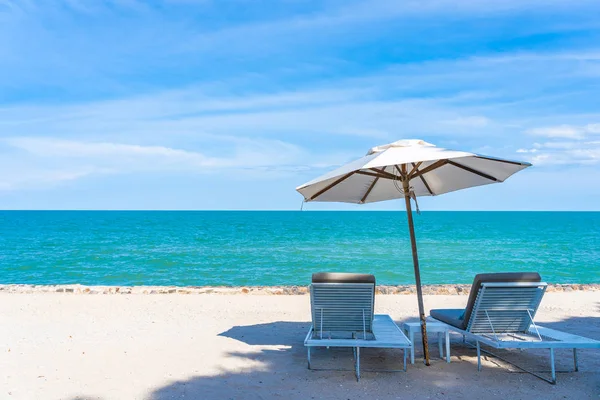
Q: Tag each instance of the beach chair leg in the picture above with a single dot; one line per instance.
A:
(575, 360)
(478, 357)
(404, 353)
(412, 347)
(552, 366)
(440, 346)
(357, 363)
(447, 346)
(308, 357)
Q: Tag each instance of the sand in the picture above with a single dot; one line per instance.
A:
(177, 346)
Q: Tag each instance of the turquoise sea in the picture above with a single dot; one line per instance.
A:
(197, 248)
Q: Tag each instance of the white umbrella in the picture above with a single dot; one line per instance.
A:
(405, 169)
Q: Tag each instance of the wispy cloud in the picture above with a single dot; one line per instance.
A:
(585, 153)
(156, 156)
(580, 149)
(565, 131)
(351, 111)
(562, 131)
(52, 160)
(34, 178)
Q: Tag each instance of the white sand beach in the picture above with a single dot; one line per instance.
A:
(211, 346)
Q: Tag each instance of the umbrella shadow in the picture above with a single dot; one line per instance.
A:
(279, 368)
(274, 365)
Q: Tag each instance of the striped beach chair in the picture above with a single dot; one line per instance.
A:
(342, 307)
(500, 314)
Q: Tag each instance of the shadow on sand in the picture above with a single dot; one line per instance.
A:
(275, 367)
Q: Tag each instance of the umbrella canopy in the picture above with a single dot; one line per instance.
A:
(431, 171)
(407, 169)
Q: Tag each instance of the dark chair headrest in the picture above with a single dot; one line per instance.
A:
(342, 277)
(496, 277)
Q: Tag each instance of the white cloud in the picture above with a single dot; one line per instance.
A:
(592, 128)
(50, 147)
(559, 145)
(564, 131)
(17, 175)
(43, 161)
(166, 117)
(564, 153)
(561, 131)
(571, 158)
(520, 57)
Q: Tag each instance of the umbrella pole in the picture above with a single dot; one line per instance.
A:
(413, 243)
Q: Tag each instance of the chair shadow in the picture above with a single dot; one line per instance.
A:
(280, 333)
(539, 359)
(587, 326)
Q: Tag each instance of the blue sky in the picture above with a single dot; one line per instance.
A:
(183, 104)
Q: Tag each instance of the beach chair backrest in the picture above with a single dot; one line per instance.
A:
(342, 307)
(505, 307)
(342, 303)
